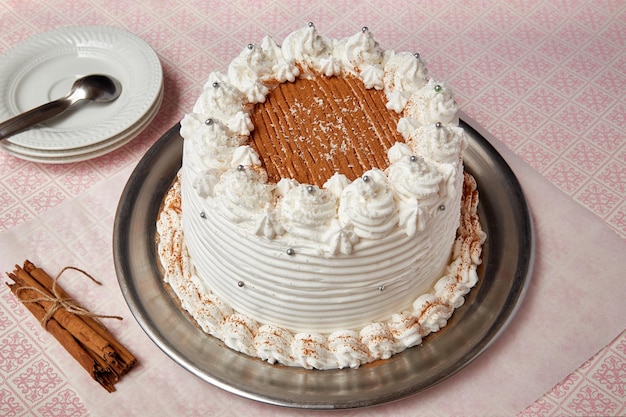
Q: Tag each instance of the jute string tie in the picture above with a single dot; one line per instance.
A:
(66, 303)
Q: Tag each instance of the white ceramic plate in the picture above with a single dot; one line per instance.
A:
(43, 68)
(64, 156)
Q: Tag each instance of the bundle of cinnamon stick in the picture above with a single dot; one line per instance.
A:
(80, 333)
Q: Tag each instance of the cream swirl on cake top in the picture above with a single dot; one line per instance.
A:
(429, 112)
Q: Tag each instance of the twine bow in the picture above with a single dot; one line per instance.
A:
(59, 302)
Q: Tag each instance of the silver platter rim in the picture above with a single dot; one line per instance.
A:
(508, 258)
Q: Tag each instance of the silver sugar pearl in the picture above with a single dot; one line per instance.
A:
(365, 178)
(413, 158)
(437, 88)
(240, 167)
(240, 284)
(438, 125)
(416, 55)
(215, 84)
(208, 122)
(250, 46)
(442, 207)
(291, 252)
(311, 25)
(310, 188)
(381, 288)
(203, 214)
(364, 29)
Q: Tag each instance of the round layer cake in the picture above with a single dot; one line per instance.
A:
(321, 217)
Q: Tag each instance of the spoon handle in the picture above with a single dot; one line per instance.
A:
(31, 117)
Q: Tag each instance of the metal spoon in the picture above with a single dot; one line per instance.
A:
(98, 88)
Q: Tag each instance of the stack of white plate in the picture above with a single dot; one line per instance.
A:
(43, 68)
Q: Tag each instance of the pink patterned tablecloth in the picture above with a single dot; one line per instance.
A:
(546, 78)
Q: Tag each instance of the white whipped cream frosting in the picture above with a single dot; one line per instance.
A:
(300, 261)
(404, 326)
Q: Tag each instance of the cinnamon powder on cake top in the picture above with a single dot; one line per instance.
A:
(309, 129)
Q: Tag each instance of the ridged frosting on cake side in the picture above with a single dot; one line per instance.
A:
(341, 348)
(293, 281)
(329, 271)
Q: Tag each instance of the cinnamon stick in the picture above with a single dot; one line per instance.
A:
(75, 349)
(84, 337)
(125, 356)
(73, 323)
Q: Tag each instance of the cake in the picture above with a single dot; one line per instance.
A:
(322, 217)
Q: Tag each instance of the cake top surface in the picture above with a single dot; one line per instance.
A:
(313, 128)
(395, 168)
